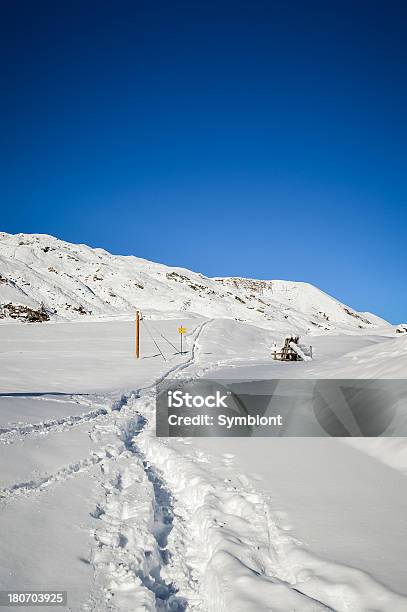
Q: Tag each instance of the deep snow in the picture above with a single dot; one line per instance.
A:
(93, 503)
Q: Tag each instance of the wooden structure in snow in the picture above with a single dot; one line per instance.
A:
(291, 351)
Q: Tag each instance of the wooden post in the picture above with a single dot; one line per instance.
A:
(138, 334)
(310, 351)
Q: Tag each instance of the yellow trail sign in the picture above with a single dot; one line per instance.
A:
(181, 330)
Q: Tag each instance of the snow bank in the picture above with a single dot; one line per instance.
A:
(391, 451)
(239, 557)
(387, 359)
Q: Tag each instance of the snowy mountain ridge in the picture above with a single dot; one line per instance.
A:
(43, 278)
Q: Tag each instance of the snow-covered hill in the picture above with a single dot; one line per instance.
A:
(44, 278)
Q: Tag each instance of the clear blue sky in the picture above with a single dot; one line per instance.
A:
(262, 138)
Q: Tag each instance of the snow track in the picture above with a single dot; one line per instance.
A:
(131, 545)
(175, 536)
(131, 553)
(227, 551)
(11, 433)
(230, 550)
(8, 494)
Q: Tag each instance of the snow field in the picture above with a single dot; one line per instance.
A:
(128, 521)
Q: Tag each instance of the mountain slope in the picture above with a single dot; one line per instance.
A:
(57, 280)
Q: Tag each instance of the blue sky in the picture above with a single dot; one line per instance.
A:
(263, 139)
